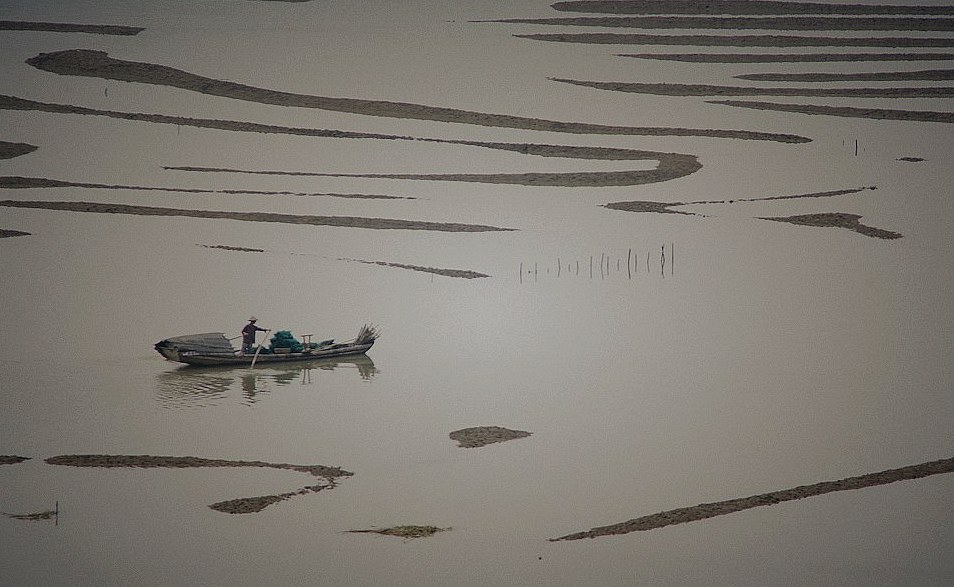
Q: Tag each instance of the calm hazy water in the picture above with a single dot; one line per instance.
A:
(765, 357)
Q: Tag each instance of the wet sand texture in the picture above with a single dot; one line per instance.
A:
(338, 221)
(721, 508)
(461, 273)
(14, 103)
(794, 23)
(776, 41)
(10, 150)
(484, 435)
(768, 7)
(7, 233)
(12, 459)
(884, 76)
(789, 57)
(845, 111)
(713, 90)
(62, 27)
(99, 64)
(838, 220)
(150, 461)
(13, 182)
(406, 532)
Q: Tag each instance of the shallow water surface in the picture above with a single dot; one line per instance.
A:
(650, 360)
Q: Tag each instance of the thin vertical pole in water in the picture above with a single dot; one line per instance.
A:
(521, 271)
(856, 147)
(577, 266)
(255, 358)
(629, 266)
(535, 271)
(672, 259)
(559, 266)
(56, 514)
(662, 260)
(647, 261)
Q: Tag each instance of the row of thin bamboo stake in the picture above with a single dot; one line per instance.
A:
(605, 264)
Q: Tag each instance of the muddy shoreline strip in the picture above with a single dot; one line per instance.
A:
(12, 459)
(150, 461)
(713, 90)
(460, 273)
(62, 27)
(14, 103)
(9, 233)
(98, 64)
(671, 166)
(15, 182)
(338, 221)
(837, 220)
(781, 23)
(788, 57)
(721, 508)
(844, 111)
(883, 76)
(10, 150)
(768, 7)
(666, 207)
(251, 505)
(774, 41)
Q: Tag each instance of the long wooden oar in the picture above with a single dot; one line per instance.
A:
(255, 358)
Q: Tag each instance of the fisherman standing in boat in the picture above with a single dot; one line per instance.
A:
(248, 335)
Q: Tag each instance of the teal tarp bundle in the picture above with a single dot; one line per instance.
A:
(283, 339)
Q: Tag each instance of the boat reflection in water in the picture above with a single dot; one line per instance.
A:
(190, 386)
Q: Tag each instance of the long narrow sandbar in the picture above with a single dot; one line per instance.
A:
(18, 182)
(933, 75)
(769, 7)
(151, 461)
(15, 103)
(65, 27)
(671, 166)
(460, 273)
(98, 64)
(339, 221)
(10, 150)
(713, 90)
(788, 57)
(777, 41)
(844, 111)
(721, 508)
(781, 23)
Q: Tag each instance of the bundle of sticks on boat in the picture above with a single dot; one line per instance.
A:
(368, 333)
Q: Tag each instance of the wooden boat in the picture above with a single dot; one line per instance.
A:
(213, 348)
